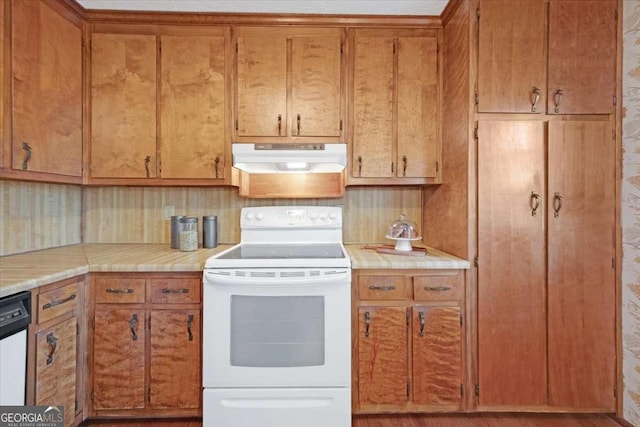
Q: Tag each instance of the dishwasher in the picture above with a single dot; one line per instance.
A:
(15, 317)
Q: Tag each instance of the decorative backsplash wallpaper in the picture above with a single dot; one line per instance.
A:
(630, 199)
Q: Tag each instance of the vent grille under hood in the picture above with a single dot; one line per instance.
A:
(289, 158)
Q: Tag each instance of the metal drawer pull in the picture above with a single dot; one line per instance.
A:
(217, 166)
(367, 322)
(62, 301)
(53, 344)
(535, 98)
(382, 288)
(175, 291)
(557, 98)
(279, 124)
(359, 165)
(298, 120)
(189, 323)
(557, 204)
(147, 160)
(120, 291)
(422, 322)
(437, 288)
(27, 156)
(404, 167)
(133, 325)
(534, 202)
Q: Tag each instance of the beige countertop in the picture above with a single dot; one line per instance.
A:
(23, 272)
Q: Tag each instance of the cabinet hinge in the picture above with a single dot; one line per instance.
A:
(613, 262)
(475, 133)
(477, 390)
(476, 98)
(341, 49)
(461, 390)
(394, 47)
(460, 319)
(615, 14)
(408, 390)
(149, 394)
(340, 125)
(77, 328)
(408, 316)
(93, 323)
(236, 47)
(391, 167)
(92, 395)
(149, 323)
(476, 261)
(478, 12)
(615, 100)
(75, 405)
(613, 134)
(437, 166)
(236, 124)
(160, 45)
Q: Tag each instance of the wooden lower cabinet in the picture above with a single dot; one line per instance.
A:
(57, 349)
(146, 345)
(409, 341)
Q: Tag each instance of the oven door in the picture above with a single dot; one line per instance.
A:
(277, 328)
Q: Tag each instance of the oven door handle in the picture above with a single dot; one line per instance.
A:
(337, 277)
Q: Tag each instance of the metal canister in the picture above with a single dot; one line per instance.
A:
(209, 231)
(175, 231)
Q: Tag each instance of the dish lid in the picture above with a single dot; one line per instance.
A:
(403, 229)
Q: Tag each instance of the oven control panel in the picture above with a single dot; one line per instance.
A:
(291, 216)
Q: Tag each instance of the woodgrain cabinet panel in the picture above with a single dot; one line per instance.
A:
(581, 284)
(123, 106)
(175, 367)
(119, 290)
(383, 287)
(511, 58)
(193, 139)
(439, 287)
(175, 291)
(119, 358)
(47, 90)
(58, 302)
(511, 252)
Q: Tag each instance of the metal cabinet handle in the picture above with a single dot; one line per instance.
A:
(189, 323)
(279, 124)
(382, 288)
(534, 202)
(59, 302)
(557, 98)
(216, 164)
(367, 322)
(298, 123)
(133, 325)
(359, 165)
(557, 204)
(422, 323)
(175, 291)
(53, 345)
(535, 97)
(404, 165)
(119, 291)
(27, 156)
(147, 160)
(437, 288)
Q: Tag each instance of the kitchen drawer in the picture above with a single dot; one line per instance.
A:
(441, 287)
(114, 290)
(172, 291)
(376, 287)
(57, 302)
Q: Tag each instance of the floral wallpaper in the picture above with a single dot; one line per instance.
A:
(630, 208)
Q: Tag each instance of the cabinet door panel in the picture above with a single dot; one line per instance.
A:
(581, 270)
(373, 79)
(261, 86)
(118, 359)
(511, 63)
(417, 106)
(193, 107)
(382, 355)
(582, 56)
(47, 90)
(123, 106)
(175, 359)
(315, 86)
(511, 276)
(437, 355)
(56, 368)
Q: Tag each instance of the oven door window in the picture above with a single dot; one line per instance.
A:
(277, 331)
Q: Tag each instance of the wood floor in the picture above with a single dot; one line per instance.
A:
(475, 420)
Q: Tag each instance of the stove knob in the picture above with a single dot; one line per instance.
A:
(259, 216)
(313, 216)
(323, 216)
(249, 216)
(333, 216)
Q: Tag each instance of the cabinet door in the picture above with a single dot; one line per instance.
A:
(373, 91)
(417, 106)
(581, 211)
(511, 273)
(118, 358)
(123, 106)
(316, 86)
(582, 56)
(511, 56)
(56, 368)
(382, 356)
(261, 96)
(175, 359)
(437, 355)
(47, 90)
(193, 105)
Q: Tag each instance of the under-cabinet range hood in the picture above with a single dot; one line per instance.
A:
(289, 158)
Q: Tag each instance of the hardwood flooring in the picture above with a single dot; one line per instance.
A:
(459, 420)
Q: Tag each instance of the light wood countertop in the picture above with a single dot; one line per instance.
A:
(434, 259)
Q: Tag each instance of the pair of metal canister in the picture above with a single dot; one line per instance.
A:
(209, 229)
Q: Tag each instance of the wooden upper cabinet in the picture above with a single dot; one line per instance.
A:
(395, 105)
(511, 57)
(289, 84)
(582, 56)
(123, 106)
(193, 106)
(47, 90)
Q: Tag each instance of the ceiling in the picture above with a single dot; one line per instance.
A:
(347, 7)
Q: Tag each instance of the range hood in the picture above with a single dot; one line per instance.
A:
(289, 158)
